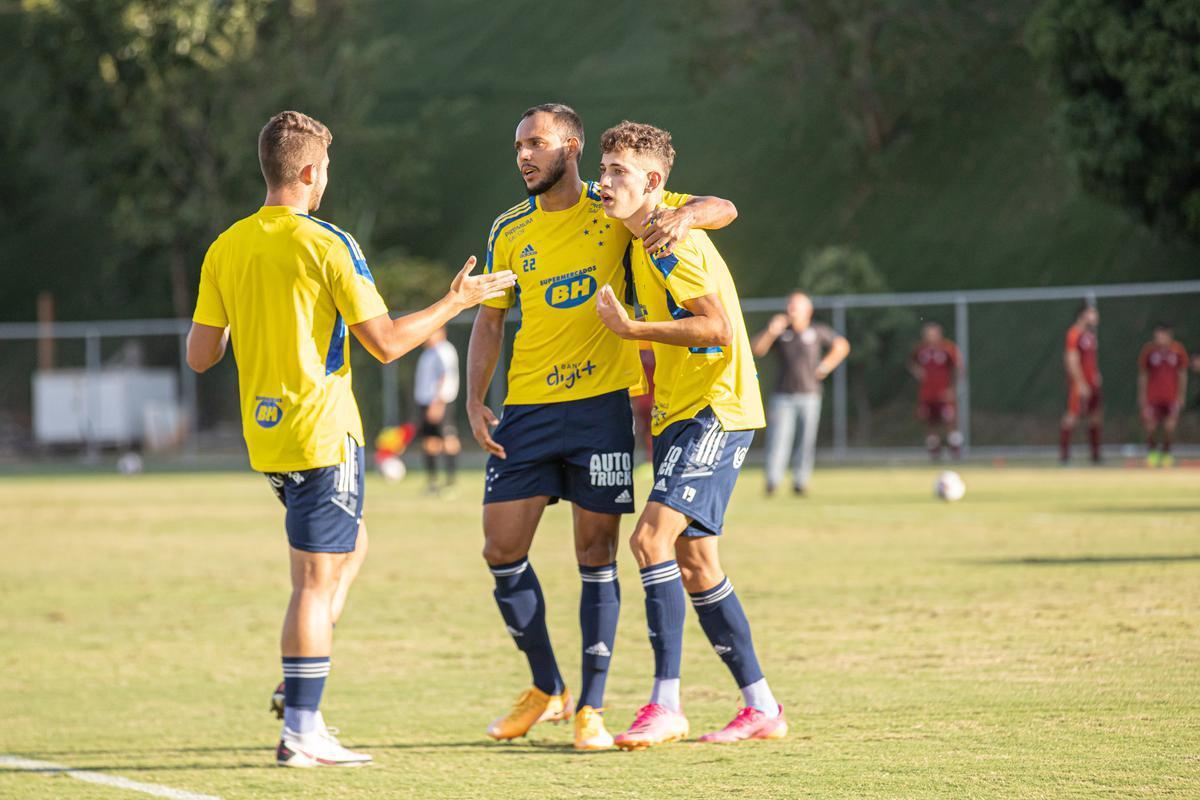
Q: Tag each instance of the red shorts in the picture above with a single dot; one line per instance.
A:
(1076, 406)
(933, 411)
(1157, 412)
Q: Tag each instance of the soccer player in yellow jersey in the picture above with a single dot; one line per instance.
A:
(707, 407)
(567, 428)
(285, 287)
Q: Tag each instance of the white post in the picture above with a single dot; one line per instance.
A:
(92, 382)
(187, 388)
(962, 336)
(839, 388)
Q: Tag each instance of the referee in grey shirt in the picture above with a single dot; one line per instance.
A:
(806, 353)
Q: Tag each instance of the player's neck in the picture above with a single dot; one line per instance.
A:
(562, 195)
(287, 197)
(636, 222)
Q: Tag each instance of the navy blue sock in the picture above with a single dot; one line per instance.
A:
(665, 610)
(519, 596)
(728, 630)
(303, 684)
(599, 607)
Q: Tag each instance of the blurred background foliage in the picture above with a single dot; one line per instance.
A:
(960, 144)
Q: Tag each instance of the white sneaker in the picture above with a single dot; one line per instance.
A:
(320, 748)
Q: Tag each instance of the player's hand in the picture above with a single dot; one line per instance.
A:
(482, 421)
(778, 324)
(611, 312)
(665, 228)
(469, 290)
(1084, 391)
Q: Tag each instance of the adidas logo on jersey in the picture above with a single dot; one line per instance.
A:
(661, 486)
(599, 649)
(722, 649)
(528, 251)
(624, 497)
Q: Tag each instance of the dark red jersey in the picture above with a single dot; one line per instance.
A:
(1083, 341)
(1162, 365)
(938, 363)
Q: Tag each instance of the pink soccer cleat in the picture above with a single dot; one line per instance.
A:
(654, 724)
(750, 723)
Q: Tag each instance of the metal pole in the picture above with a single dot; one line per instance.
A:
(391, 395)
(191, 403)
(839, 389)
(962, 335)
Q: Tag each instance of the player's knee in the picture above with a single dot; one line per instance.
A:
(495, 552)
(452, 445)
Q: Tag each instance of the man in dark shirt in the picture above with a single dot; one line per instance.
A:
(806, 353)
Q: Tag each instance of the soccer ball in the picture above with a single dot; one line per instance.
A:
(949, 487)
(129, 464)
(392, 469)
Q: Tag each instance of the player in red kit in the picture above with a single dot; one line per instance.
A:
(1162, 385)
(1083, 382)
(935, 362)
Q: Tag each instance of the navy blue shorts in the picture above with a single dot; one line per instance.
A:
(324, 505)
(579, 450)
(696, 464)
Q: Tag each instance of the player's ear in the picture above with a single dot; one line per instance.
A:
(308, 174)
(654, 179)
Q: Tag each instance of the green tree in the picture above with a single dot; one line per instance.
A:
(1127, 77)
(157, 106)
(875, 56)
(878, 337)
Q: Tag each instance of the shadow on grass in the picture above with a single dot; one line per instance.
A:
(1069, 560)
(1144, 509)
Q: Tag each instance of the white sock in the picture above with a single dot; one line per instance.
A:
(666, 693)
(758, 695)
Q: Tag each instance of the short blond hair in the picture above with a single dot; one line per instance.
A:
(642, 139)
(289, 142)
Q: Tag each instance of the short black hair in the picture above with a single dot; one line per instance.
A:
(565, 118)
(1084, 307)
(1163, 325)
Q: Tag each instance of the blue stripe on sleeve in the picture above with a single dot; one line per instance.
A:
(500, 225)
(356, 255)
(666, 263)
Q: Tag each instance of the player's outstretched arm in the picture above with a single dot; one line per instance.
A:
(482, 354)
(667, 227)
(387, 339)
(708, 326)
(206, 346)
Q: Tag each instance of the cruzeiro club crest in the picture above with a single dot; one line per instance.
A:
(268, 413)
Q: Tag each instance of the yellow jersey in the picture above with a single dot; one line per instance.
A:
(288, 284)
(561, 258)
(686, 379)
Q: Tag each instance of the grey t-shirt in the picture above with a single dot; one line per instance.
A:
(798, 354)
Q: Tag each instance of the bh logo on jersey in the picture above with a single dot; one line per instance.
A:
(611, 469)
(268, 413)
(570, 291)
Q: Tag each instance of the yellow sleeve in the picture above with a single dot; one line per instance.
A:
(497, 259)
(685, 273)
(351, 282)
(675, 199)
(210, 308)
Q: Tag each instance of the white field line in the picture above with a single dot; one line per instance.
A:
(115, 781)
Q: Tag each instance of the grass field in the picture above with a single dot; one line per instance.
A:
(1037, 640)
